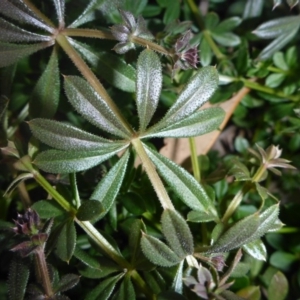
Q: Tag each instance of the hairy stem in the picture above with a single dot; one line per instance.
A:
(89, 33)
(194, 159)
(151, 45)
(75, 192)
(152, 174)
(91, 78)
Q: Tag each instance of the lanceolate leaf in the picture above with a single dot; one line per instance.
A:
(66, 137)
(88, 14)
(92, 107)
(107, 190)
(47, 209)
(113, 68)
(89, 210)
(253, 8)
(256, 249)
(183, 184)
(201, 217)
(11, 53)
(45, 96)
(135, 238)
(126, 290)
(227, 39)
(148, 86)
(20, 12)
(199, 123)
(57, 161)
(60, 10)
(67, 282)
(197, 91)
(13, 33)
(177, 233)
(158, 252)
(177, 284)
(237, 235)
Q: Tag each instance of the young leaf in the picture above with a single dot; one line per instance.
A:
(104, 289)
(177, 284)
(126, 290)
(228, 25)
(148, 86)
(183, 184)
(57, 161)
(92, 107)
(11, 53)
(45, 96)
(60, 10)
(66, 137)
(206, 53)
(107, 190)
(201, 217)
(177, 233)
(66, 241)
(18, 278)
(12, 33)
(158, 252)
(48, 209)
(89, 210)
(237, 235)
(199, 123)
(227, 39)
(22, 14)
(113, 68)
(67, 282)
(197, 91)
(256, 249)
(278, 287)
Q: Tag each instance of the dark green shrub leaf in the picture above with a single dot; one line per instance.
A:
(197, 91)
(167, 295)
(89, 210)
(228, 25)
(66, 241)
(12, 33)
(45, 96)
(87, 259)
(60, 10)
(274, 80)
(57, 161)
(48, 209)
(92, 107)
(107, 190)
(236, 235)
(183, 184)
(283, 260)
(172, 12)
(11, 53)
(279, 60)
(278, 287)
(104, 289)
(155, 281)
(66, 137)
(18, 278)
(112, 67)
(253, 9)
(227, 39)
(148, 86)
(206, 53)
(126, 290)
(256, 249)
(228, 295)
(158, 252)
(199, 123)
(211, 21)
(201, 216)
(134, 203)
(250, 292)
(67, 282)
(177, 233)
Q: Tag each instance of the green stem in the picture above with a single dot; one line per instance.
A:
(194, 159)
(259, 173)
(277, 70)
(151, 45)
(152, 174)
(91, 78)
(206, 34)
(89, 33)
(142, 285)
(75, 193)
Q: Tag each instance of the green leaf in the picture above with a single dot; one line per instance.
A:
(86, 258)
(148, 86)
(250, 293)
(278, 27)
(104, 289)
(167, 295)
(229, 295)
(283, 260)
(291, 57)
(237, 235)
(211, 21)
(158, 252)
(182, 183)
(92, 107)
(126, 290)
(57, 161)
(278, 287)
(227, 39)
(177, 233)
(256, 249)
(66, 241)
(67, 282)
(197, 91)
(134, 203)
(228, 25)
(47, 209)
(112, 67)
(60, 10)
(206, 54)
(107, 190)
(279, 61)
(172, 12)
(199, 123)
(17, 278)
(66, 137)
(274, 80)
(45, 96)
(177, 284)
(253, 8)
(20, 178)
(12, 33)
(201, 217)
(11, 53)
(89, 210)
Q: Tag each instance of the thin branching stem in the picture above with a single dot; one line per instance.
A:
(88, 33)
(148, 44)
